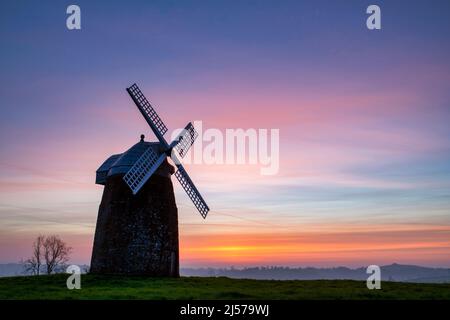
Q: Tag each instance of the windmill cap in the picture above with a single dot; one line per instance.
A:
(121, 163)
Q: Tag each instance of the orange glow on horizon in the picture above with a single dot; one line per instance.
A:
(295, 249)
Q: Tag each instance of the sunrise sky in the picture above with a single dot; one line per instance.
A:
(363, 117)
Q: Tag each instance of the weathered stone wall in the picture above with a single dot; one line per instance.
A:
(137, 234)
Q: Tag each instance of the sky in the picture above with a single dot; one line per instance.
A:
(363, 118)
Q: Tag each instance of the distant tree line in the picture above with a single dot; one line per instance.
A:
(392, 272)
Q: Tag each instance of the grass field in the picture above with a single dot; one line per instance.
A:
(115, 287)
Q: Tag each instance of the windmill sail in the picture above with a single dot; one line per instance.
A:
(191, 190)
(149, 162)
(153, 119)
(143, 169)
(186, 139)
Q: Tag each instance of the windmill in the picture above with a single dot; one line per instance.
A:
(137, 224)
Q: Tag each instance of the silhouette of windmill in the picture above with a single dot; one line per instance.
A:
(137, 224)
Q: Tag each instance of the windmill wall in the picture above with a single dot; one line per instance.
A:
(137, 234)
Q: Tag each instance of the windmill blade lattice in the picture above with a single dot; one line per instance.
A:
(186, 139)
(143, 169)
(191, 191)
(153, 119)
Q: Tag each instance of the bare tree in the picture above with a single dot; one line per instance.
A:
(50, 251)
(56, 253)
(30, 266)
(33, 265)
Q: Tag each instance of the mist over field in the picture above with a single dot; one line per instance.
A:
(393, 272)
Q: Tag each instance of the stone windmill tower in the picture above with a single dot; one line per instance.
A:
(137, 224)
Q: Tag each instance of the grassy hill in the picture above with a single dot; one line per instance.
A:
(116, 287)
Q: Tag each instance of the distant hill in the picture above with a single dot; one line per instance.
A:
(17, 269)
(11, 269)
(393, 272)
